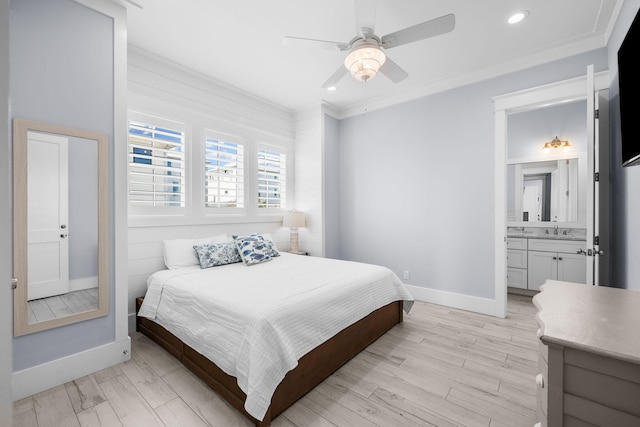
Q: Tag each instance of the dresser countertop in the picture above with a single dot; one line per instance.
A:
(597, 319)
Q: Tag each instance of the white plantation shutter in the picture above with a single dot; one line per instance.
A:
(223, 173)
(272, 179)
(156, 164)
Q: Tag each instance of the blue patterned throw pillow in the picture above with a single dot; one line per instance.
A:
(272, 249)
(273, 252)
(253, 249)
(215, 254)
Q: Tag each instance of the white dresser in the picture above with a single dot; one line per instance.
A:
(589, 361)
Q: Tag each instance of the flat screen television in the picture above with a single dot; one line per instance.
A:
(629, 95)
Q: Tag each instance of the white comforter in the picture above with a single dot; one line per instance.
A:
(255, 322)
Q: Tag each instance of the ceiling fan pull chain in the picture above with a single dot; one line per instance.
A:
(364, 97)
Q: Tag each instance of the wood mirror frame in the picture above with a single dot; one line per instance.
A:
(21, 128)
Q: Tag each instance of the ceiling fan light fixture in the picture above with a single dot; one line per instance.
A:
(364, 62)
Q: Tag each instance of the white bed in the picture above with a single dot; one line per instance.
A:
(255, 322)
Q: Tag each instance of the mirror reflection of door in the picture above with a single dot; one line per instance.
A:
(47, 199)
(535, 198)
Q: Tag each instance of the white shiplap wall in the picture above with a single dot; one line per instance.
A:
(165, 89)
(309, 158)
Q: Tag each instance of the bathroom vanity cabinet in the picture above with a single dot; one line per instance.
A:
(531, 261)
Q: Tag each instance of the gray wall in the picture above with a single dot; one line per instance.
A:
(83, 208)
(528, 131)
(417, 179)
(331, 187)
(625, 182)
(6, 320)
(61, 63)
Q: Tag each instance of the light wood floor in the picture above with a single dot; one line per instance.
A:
(441, 367)
(62, 305)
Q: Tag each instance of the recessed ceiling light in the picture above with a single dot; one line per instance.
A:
(518, 16)
(332, 88)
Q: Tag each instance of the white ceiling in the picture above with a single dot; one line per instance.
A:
(240, 43)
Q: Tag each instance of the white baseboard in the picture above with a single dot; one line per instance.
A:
(42, 377)
(454, 300)
(83, 283)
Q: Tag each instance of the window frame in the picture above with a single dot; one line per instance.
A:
(169, 123)
(226, 137)
(283, 150)
(196, 126)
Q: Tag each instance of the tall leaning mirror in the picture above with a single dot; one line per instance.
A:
(60, 231)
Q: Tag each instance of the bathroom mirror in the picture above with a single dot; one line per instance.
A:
(545, 191)
(61, 238)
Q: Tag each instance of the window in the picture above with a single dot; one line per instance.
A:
(223, 173)
(156, 163)
(272, 179)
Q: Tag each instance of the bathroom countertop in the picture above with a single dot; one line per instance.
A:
(530, 235)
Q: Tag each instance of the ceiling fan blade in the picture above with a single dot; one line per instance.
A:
(322, 44)
(393, 71)
(365, 15)
(335, 77)
(427, 29)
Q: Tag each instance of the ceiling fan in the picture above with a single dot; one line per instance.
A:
(367, 51)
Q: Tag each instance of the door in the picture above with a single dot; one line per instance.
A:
(47, 219)
(601, 192)
(597, 271)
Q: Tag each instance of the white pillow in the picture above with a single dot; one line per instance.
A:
(179, 253)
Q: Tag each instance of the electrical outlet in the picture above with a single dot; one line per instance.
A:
(405, 275)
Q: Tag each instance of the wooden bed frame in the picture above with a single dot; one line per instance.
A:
(312, 369)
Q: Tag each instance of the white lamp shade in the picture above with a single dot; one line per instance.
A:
(293, 219)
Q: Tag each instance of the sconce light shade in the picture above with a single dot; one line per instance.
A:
(293, 219)
(555, 143)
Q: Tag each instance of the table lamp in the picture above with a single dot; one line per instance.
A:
(294, 220)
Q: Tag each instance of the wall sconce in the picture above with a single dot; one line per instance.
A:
(293, 220)
(556, 143)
